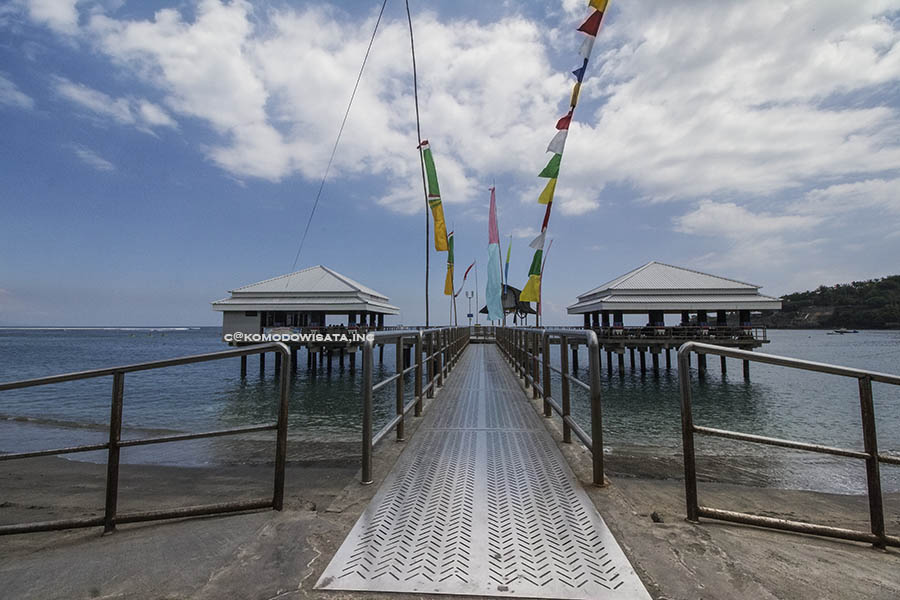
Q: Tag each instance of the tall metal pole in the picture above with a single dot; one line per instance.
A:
(476, 293)
(412, 47)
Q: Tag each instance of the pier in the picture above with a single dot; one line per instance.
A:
(483, 483)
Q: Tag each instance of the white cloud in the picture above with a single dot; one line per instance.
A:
(92, 159)
(59, 15)
(11, 95)
(727, 219)
(125, 111)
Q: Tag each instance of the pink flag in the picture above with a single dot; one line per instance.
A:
(493, 231)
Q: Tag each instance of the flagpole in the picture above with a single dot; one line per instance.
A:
(412, 47)
(541, 290)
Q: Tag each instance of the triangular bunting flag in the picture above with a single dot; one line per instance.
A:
(538, 242)
(586, 47)
(598, 4)
(558, 143)
(552, 168)
(592, 25)
(575, 92)
(579, 72)
(563, 123)
(532, 290)
(546, 196)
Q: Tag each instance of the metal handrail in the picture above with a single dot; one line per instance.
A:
(436, 349)
(870, 454)
(111, 517)
(528, 351)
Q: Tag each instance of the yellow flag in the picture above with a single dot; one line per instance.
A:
(575, 91)
(448, 284)
(546, 196)
(532, 290)
(440, 227)
(598, 4)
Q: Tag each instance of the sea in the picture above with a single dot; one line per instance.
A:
(641, 413)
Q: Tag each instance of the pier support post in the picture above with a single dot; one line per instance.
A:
(243, 367)
(330, 356)
(309, 359)
(262, 363)
(341, 358)
(746, 369)
(701, 364)
(381, 353)
(655, 357)
(574, 359)
(722, 362)
(609, 362)
(295, 354)
(321, 356)
(353, 361)
(622, 364)
(668, 360)
(643, 362)
(277, 362)
(631, 354)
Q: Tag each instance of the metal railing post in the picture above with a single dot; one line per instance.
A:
(873, 473)
(112, 463)
(564, 386)
(419, 372)
(399, 397)
(593, 350)
(281, 435)
(439, 356)
(368, 366)
(545, 377)
(687, 434)
(431, 371)
(535, 367)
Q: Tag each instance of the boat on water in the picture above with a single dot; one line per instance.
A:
(842, 331)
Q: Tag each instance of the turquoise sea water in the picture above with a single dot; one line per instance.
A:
(639, 411)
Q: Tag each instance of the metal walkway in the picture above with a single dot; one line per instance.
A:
(482, 502)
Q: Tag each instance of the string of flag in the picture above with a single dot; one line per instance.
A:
(591, 27)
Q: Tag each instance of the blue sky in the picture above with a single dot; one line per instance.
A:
(156, 154)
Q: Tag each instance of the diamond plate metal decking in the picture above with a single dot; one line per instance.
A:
(482, 502)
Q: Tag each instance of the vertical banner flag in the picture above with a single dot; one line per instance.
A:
(506, 269)
(448, 284)
(492, 292)
(532, 290)
(434, 199)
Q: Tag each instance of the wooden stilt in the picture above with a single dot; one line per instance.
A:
(243, 367)
(330, 357)
(631, 353)
(277, 362)
(746, 369)
(574, 358)
(353, 361)
(701, 364)
(609, 363)
(262, 363)
(643, 362)
(724, 368)
(341, 358)
(381, 353)
(295, 355)
(655, 356)
(668, 360)
(622, 364)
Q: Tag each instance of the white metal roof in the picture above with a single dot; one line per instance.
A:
(658, 286)
(315, 288)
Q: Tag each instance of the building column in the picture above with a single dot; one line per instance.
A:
(351, 319)
(721, 318)
(617, 319)
(604, 315)
(702, 318)
(744, 318)
(587, 320)
(380, 321)
(595, 319)
(685, 318)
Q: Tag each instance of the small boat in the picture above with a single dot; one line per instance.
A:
(842, 331)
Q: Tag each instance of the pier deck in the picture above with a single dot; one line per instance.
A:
(482, 502)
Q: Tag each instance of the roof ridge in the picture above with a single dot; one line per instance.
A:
(278, 277)
(703, 273)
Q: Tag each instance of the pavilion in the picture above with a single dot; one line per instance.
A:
(302, 299)
(657, 289)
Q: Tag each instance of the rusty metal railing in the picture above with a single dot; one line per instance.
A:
(111, 517)
(436, 350)
(528, 351)
(869, 454)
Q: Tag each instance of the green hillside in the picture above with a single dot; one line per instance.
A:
(873, 304)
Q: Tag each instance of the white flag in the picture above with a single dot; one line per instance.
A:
(558, 142)
(538, 242)
(586, 46)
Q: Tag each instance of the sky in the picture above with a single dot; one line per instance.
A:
(154, 155)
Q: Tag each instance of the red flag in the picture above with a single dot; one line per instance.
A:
(592, 25)
(466, 274)
(563, 123)
(493, 231)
